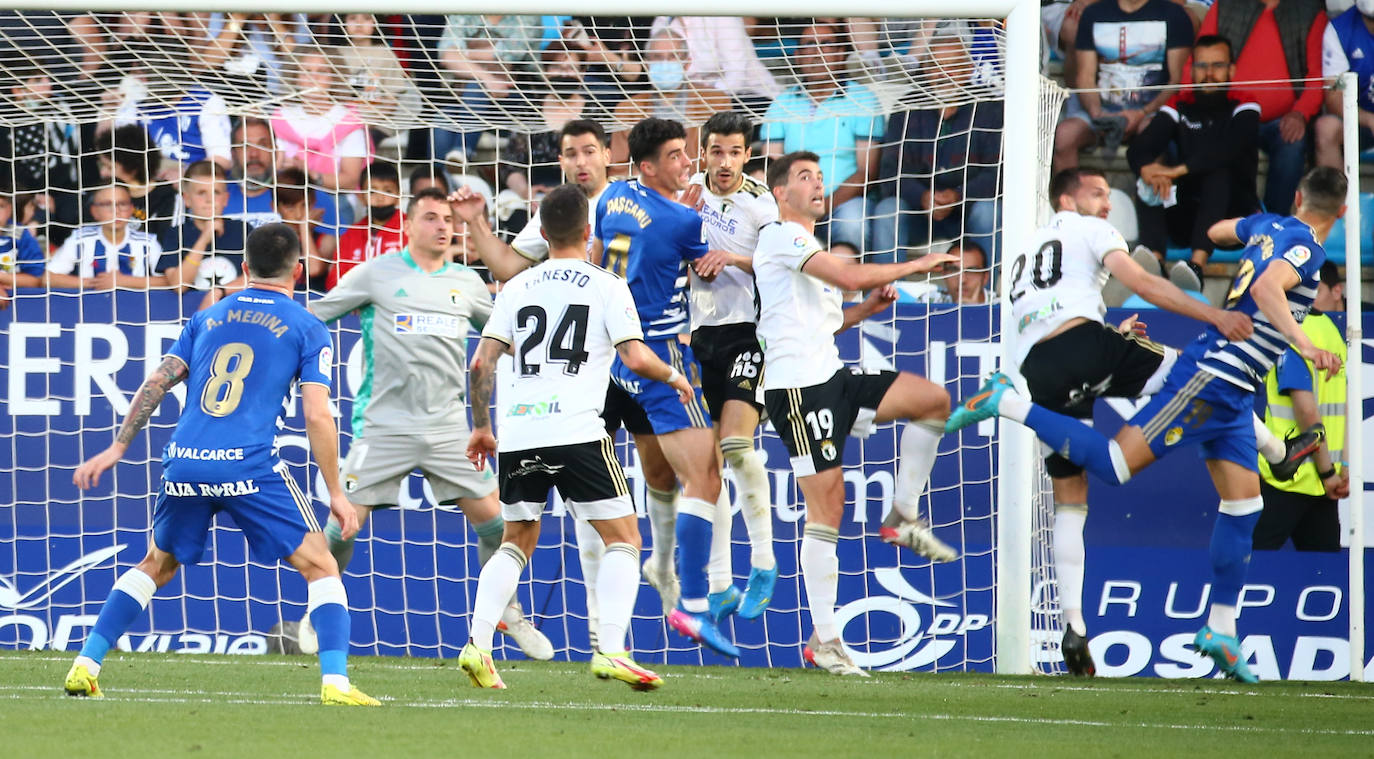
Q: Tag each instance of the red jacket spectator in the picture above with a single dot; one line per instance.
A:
(1263, 55)
(363, 242)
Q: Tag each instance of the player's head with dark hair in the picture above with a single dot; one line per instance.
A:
(428, 175)
(578, 127)
(429, 193)
(658, 150)
(725, 150)
(1322, 192)
(798, 185)
(1082, 190)
(128, 155)
(584, 154)
(563, 217)
(429, 223)
(272, 252)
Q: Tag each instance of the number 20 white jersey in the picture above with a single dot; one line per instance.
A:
(1060, 276)
(562, 320)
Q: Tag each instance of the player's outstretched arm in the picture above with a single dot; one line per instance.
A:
(1165, 294)
(324, 444)
(850, 276)
(878, 300)
(481, 381)
(1223, 233)
(1269, 291)
(500, 258)
(641, 360)
(171, 371)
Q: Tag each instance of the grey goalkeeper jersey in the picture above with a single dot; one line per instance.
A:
(415, 333)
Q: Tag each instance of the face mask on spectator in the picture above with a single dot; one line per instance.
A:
(381, 214)
(1366, 7)
(667, 76)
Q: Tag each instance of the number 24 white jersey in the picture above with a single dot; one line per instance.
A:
(1060, 276)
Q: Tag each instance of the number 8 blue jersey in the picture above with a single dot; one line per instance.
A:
(242, 354)
(1268, 238)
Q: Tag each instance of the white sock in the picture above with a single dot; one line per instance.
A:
(338, 681)
(718, 576)
(1269, 444)
(1222, 619)
(662, 506)
(821, 573)
(916, 457)
(495, 586)
(617, 586)
(1013, 406)
(89, 663)
(1068, 562)
(751, 478)
(590, 549)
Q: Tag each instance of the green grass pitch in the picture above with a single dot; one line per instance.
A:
(159, 705)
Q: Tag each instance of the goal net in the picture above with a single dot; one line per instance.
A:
(329, 121)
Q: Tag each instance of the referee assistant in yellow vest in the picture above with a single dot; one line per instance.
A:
(1304, 508)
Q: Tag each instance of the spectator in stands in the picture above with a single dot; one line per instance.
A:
(1304, 507)
(21, 257)
(205, 250)
(45, 151)
(673, 95)
(1059, 21)
(325, 138)
(721, 56)
(255, 47)
(125, 155)
(484, 48)
(381, 232)
(965, 282)
(1124, 49)
(384, 92)
(1347, 45)
(838, 119)
(530, 159)
(295, 204)
(940, 167)
(193, 128)
(611, 52)
(1275, 40)
(250, 181)
(1196, 160)
(109, 253)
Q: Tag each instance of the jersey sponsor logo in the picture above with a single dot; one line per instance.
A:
(443, 325)
(1044, 312)
(204, 454)
(535, 465)
(633, 387)
(719, 220)
(210, 489)
(1298, 255)
(542, 408)
(326, 360)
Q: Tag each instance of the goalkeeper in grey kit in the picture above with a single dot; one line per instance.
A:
(410, 411)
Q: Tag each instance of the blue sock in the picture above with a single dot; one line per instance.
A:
(693, 548)
(127, 600)
(1075, 441)
(1230, 551)
(332, 627)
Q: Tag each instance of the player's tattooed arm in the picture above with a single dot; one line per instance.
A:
(171, 371)
(482, 379)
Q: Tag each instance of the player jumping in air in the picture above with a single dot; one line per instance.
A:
(563, 321)
(239, 359)
(416, 309)
(816, 403)
(1069, 357)
(1208, 396)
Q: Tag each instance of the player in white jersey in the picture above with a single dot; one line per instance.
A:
(585, 156)
(563, 321)
(816, 403)
(1069, 357)
(733, 208)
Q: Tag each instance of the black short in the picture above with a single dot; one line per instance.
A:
(1312, 521)
(587, 475)
(815, 421)
(622, 410)
(731, 365)
(1067, 372)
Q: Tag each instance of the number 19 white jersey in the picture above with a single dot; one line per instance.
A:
(562, 320)
(1061, 275)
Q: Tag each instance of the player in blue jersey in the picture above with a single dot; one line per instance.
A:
(239, 359)
(646, 236)
(1208, 397)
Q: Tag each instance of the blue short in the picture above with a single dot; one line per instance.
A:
(270, 509)
(1198, 407)
(658, 399)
